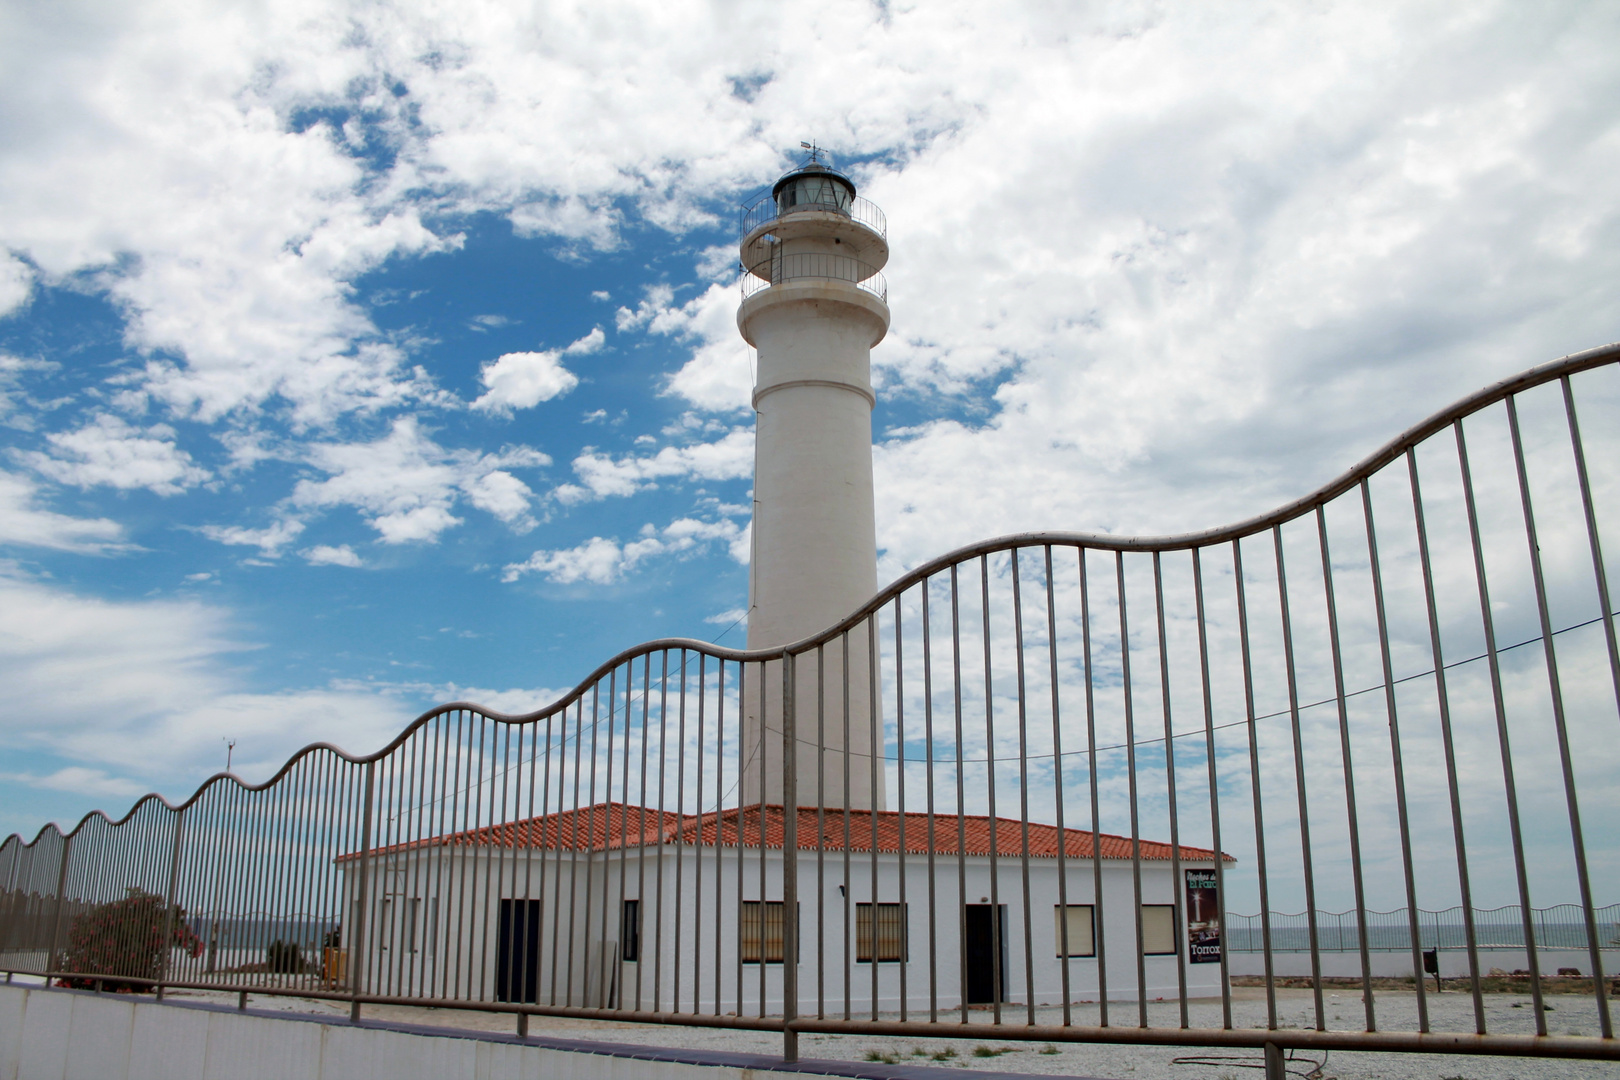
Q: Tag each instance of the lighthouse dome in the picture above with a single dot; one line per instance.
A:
(813, 186)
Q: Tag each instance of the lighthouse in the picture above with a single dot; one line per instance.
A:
(814, 305)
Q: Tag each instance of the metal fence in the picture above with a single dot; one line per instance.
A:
(804, 265)
(763, 210)
(1012, 797)
(1561, 926)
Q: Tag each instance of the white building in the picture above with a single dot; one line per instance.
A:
(620, 907)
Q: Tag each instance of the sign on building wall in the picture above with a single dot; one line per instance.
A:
(1203, 918)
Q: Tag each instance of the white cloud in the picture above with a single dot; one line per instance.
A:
(24, 522)
(16, 283)
(326, 555)
(523, 380)
(143, 690)
(513, 702)
(720, 375)
(80, 780)
(591, 342)
(600, 561)
(729, 458)
(504, 495)
(728, 618)
(109, 452)
(270, 540)
(406, 485)
(597, 560)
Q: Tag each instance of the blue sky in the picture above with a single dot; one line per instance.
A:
(356, 358)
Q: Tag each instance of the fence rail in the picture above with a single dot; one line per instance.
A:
(1015, 795)
(809, 265)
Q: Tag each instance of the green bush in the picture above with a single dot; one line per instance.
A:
(127, 938)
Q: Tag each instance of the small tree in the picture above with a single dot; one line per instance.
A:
(128, 938)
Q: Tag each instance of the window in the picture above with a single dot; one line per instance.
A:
(761, 931)
(880, 932)
(432, 927)
(1158, 929)
(1081, 929)
(630, 935)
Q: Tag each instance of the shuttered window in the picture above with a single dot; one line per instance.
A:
(1080, 926)
(760, 929)
(880, 932)
(1158, 929)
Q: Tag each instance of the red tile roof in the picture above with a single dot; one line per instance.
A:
(610, 826)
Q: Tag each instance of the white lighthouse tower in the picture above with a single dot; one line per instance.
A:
(814, 305)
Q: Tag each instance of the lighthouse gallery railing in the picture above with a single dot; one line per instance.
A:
(1398, 692)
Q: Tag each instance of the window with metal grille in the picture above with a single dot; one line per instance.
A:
(880, 932)
(631, 935)
(1081, 927)
(1158, 929)
(760, 927)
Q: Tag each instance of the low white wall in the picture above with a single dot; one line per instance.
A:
(69, 1035)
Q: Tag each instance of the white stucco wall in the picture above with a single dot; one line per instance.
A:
(690, 920)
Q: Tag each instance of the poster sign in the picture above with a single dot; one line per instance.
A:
(1203, 918)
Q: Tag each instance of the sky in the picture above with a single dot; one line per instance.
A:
(360, 357)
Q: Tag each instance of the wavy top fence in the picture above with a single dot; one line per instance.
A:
(1013, 796)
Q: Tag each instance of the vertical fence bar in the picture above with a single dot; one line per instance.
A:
(1099, 920)
(1443, 697)
(874, 680)
(846, 890)
(361, 921)
(680, 850)
(961, 794)
(52, 963)
(1057, 788)
(1023, 789)
(1397, 761)
(1176, 879)
(900, 790)
(1254, 784)
(997, 945)
(821, 829)
(1549, 650)
(928, 777)
(1214, 786)
(1349, 771)
(1299, 777)
(168, 901)
(1599, 572)
(1508, 783)
(790, 859)
(697, 850)
(719, 823)
(1130, 774)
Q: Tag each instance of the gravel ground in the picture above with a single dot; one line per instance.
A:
(1397, 1010)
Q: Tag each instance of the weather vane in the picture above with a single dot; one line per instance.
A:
(815, 152)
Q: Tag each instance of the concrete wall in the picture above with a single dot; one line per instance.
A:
(76, 1035)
